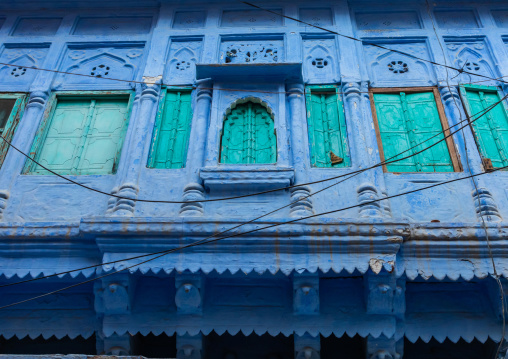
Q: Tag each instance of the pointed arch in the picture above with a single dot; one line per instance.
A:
(248, 134)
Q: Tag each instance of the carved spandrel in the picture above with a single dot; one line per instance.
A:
(120, 62)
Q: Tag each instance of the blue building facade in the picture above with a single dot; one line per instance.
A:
(230, 113)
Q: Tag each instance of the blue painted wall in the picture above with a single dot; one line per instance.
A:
(413, 269)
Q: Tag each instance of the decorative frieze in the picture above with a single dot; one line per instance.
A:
(18, 75)
(320, 61)
(256, 51)
(181, 68)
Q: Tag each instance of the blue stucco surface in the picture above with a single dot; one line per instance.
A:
(406, 271)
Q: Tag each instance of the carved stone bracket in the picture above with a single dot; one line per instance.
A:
(117, 345)
(193, 192)
(306, 294)
(189, 294)
(385, 294)
(115, 295)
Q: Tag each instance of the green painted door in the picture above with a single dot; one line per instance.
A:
(327, 128)
(84, 136)
(248, 136)
(405, 121)
(491, 130)
(172, 130)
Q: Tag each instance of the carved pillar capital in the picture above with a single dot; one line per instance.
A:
(485, 205)
(449, 93)
(4, 196)
(189, 347)
(295, 89)
(367, 193)
(307, 347)
(38, 99)
(352, 89)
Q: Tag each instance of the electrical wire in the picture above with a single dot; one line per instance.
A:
(195, 201)
(387, 161)
(484, 225)
(247, 232)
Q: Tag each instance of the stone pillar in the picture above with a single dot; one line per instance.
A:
(484, 202)
(300, 206)
(113, 298)
(307, 347)
(365, 152)
(23, 138)
(133, 156)
(385, 295)
(194, 190)
(189, 347)
(306, 294)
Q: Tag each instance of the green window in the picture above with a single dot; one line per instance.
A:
(406, 121)
(327, 128)
(83, 136)
(248, 136)
(11, 110)
(490, 130)
(172, 129)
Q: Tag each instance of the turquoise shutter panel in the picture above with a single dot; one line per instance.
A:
(425, 123)
(64, 136)
(327, 129)
(248, 136)
(171, 135)
(405, 121)
(491, 130)
(393, 131)
(84, 136)
(104, 137)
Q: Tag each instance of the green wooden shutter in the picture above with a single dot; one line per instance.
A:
(491, 130)
(327, 128)
(248, 136)
(172, 130)
(405, 121)
(425, 123)
(393, 130)
(104, 138)
(84, 136)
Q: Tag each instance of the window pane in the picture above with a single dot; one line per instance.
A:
(6, 106)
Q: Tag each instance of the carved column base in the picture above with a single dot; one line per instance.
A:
(118, 345)
(124, 207)
(367, 193)
(189, 347)
(384, 348)
(193, 192)
(307, 347)
(4, 196)
(300, 206)
(485, 205)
